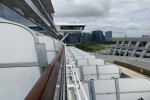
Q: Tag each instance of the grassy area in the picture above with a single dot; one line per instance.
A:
(90, 47)
(109, 42)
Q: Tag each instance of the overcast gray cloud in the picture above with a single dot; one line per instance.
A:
(81, 8)
(123, 17)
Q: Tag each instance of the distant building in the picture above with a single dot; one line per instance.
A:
(72, 38)
(85, 37)
(145, 35)
(108, 35)
(70, 27)
(78, 37)
(97, 36)
(69, 31)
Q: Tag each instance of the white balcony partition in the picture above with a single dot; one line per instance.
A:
(99, 72)
(16, 44)
(84, 57)
(89, 62)
(120, 89)
(19, 69)
(50, 47)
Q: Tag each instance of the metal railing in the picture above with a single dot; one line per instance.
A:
(45, 87)
(76, 79)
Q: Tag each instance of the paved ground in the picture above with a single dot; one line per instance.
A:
(131, 73)
(139, 62)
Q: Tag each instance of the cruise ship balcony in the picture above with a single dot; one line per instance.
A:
(90, 78)
(40, 67)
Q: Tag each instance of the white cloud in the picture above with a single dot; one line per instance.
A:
(130, 17)
(81, 8)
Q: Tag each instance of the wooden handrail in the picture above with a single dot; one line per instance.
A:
(44, 88)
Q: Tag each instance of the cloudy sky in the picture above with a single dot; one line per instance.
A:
(123, 17)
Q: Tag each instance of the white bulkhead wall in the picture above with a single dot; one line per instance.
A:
(48, 42)
(50, 47)
(56, 45)
(17, 47)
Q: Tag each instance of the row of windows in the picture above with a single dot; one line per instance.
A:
(71, 27)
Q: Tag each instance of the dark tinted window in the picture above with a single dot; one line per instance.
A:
(9, 14)
(1, 13)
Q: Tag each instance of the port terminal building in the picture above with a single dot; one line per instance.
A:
(130, 46)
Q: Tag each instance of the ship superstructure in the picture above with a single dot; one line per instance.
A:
(39, 66)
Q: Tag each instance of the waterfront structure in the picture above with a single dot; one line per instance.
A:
(108, 35)
(97, 36)
(131, 46)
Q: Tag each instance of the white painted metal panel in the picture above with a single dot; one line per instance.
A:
(106, 97)
(82, 62)
(110, 76)
(107, 69)
(81, 52)
(88, 70)
(15, 83)
(104, 86)
(80, 56)
(105, 90)
(88, 77)
(61, 43)
(135, 96)
(78, 72)
(75, 53)
(105, 72)
(86, 89)
(77, 57)
(48, 42)
(16, 44)
(90, 62)
(50, 56)
(84, 53)
(88, 57)
(134, 89)
(129, 89)
(96, 62)
(141, 85)
(56, 44)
